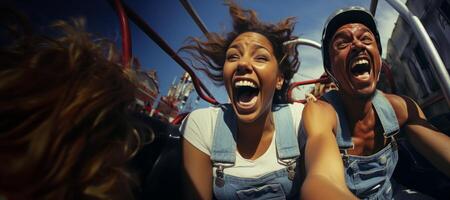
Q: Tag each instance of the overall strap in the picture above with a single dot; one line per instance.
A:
(343, 134)
(224, 145)
(285, 137)
(386, 114)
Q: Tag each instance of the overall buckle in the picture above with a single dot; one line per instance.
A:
(290, 166)
(220, 181)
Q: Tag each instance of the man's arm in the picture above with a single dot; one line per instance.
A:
(430, 142)
(323, 163)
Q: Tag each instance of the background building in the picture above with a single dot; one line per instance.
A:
(148, 87)
(179, 99)
(412, 70)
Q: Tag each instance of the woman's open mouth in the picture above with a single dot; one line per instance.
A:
(246, 93)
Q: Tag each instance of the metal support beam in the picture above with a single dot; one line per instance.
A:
(194, 16)
(135, 18)
(303, 41)
(373, 6)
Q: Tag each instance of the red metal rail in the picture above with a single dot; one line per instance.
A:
(323, 79)
(125, 31)
(188, 7)
(123, 11)
(179, 118)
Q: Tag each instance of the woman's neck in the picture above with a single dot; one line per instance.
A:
(254, 138)
(258, 128)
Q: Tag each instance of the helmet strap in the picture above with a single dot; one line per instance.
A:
(332, 77)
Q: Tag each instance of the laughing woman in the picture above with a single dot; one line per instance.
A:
(251, 147)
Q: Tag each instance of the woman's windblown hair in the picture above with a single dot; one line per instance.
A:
(65, 130)
(208, 55)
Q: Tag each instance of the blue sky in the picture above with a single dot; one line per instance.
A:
(173, 23)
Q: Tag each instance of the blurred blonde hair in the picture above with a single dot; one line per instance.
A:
(65, 130)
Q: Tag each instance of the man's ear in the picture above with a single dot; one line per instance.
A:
(280, 81)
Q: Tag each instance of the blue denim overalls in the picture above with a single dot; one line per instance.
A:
(368, 177)
(274, 185)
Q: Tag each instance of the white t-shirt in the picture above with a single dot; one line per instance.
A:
(199, 130)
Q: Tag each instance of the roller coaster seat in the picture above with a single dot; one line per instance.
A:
(415, 172)
(158, 164)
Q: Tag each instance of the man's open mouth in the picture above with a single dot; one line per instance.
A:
(360, 68)
(246, 93)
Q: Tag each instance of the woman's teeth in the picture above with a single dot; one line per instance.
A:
(245, 83)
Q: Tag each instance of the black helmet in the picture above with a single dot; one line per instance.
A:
(354, 14)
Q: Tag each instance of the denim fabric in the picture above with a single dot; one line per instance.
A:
(274, 185)
(368, 177)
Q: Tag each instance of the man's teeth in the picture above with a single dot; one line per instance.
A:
(360, 62)
(245, 83)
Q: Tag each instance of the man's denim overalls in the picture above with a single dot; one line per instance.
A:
(274, 185)
(368, 177)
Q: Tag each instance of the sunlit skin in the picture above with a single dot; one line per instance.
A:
(349, 43)
(250, 57)
(355, 42)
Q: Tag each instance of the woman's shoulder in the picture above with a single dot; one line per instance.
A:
(204, 113)
(198, 128)
(202, 119)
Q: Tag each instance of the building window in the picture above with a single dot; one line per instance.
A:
(425, 67)
(444, 9)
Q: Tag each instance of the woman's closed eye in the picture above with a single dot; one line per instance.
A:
(232, 57)
(262, 58)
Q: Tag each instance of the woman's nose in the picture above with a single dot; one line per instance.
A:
(244, 66)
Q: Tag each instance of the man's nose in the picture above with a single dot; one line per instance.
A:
(358, 44)
(358, 47)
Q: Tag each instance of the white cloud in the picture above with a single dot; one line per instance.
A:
(311, 61)
(310, 68)
(310, 57)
